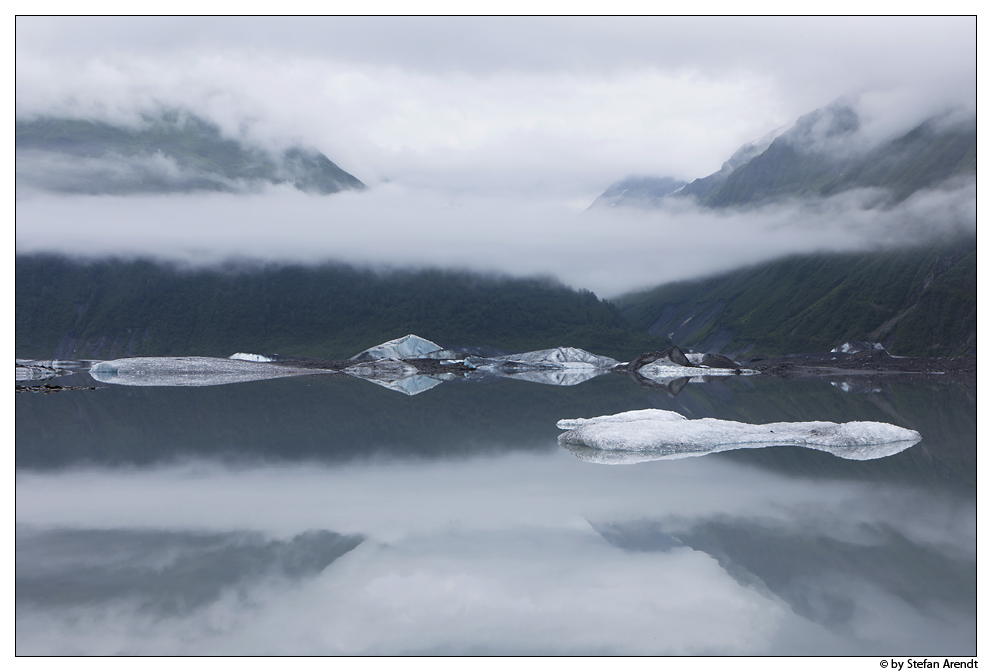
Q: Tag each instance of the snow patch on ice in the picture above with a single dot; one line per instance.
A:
(248, 357)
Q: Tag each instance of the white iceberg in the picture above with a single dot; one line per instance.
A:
(557, 358)
(189, 371)
(554, 366)
(639, 436)
(406, 347)
(248, 357)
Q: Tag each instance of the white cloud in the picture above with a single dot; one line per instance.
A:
(556, 106)
(608, 252)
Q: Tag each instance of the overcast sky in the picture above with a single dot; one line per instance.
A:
(488, 114)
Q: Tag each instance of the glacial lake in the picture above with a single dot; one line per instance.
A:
(329, 515)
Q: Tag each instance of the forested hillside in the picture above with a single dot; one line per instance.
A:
(918, 301)
(111, 308)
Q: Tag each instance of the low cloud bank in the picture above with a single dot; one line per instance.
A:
(609, 252)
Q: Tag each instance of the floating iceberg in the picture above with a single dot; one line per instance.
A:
(555, 366)
(407, 347)
(640, 436)
(557, 358)
(248, 357)
(672, 364)
(189, 371)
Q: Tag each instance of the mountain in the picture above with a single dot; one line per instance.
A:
(639, 192)
(820, 155)
(705, 186)
(109, 308)
(804, 162)
(172, 152)
(918, 301)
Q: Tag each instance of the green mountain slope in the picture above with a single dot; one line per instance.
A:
(917, 301)
(173, 152)
(110, 308)
(924, 157)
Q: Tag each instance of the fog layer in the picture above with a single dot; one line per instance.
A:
(608, 252)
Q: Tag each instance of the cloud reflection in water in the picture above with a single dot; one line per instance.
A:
(508, 554)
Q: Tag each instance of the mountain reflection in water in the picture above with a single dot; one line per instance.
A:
(320, 514)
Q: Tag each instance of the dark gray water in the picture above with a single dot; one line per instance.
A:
(329, 515)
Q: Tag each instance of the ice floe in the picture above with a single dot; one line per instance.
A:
(563, 358)
(640, 436)
(189, 371)
(248, 357)
(554, 366)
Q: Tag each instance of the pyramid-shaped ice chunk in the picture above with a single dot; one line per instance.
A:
(405, 347)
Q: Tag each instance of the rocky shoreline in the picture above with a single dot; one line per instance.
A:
(869, 363)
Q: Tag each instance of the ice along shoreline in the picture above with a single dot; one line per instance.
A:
(412, 365)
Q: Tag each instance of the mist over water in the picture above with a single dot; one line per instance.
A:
(304, 516)
(606, 251)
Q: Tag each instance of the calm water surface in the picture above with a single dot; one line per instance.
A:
(329, 515)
